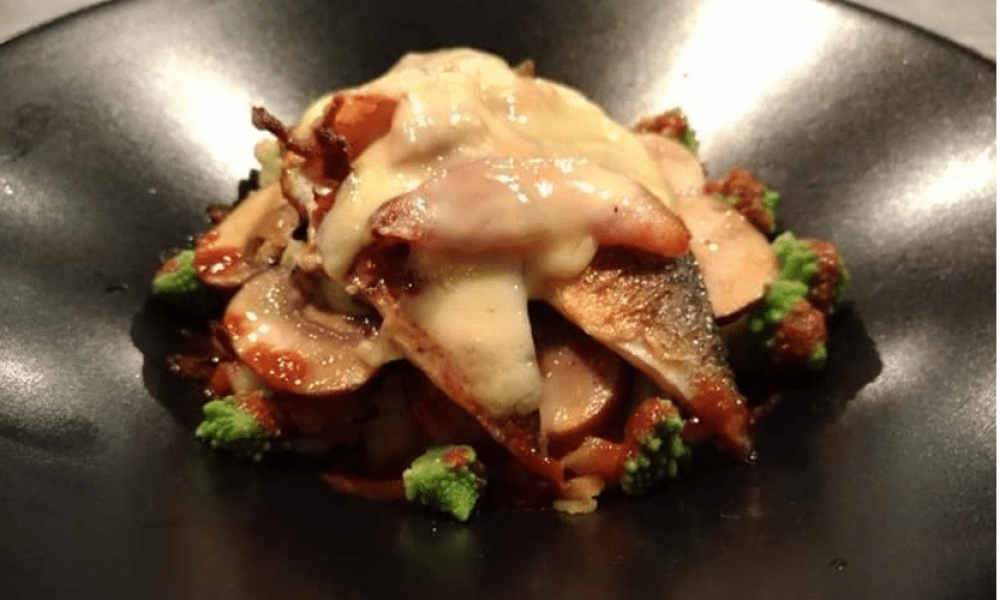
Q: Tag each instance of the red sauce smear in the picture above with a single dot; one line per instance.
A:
(722, 410)
(216, 262)
(644, 420)
(280, 370)
(236, 324)
(373, 489)
(264, 410)
(220, 384)
(670, 124)
(823, 286)
(455, 458)
(799, 332)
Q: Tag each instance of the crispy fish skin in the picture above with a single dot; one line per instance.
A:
(655, 313)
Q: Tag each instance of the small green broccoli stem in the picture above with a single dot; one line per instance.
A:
(654, 451)
(796, 260)
(772, 202)
(446, 478)
(176, 282)
(177, 276)
(689, 139)
(244, 425)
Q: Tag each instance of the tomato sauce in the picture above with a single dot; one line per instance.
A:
(723, 411)
(280, 369)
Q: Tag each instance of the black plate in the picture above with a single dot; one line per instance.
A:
(118, 126)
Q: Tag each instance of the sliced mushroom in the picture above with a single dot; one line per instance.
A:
(736, 260)
(678, 165)
(584, 384)
(296, 345)
(250, 239)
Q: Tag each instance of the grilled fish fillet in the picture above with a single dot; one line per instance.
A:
(654, 312)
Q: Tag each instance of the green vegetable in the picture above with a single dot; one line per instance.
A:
(661, 452)
(771, 201)
(687, 136)
(176, 282)
(689, 140)
(232, 426)
(796, 268)
(796, 259)
(446, 478)
(177, 276)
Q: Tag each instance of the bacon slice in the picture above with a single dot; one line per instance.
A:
(522, 206)
(361, 119)
(654, 313)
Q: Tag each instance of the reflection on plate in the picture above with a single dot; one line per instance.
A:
(119, 125)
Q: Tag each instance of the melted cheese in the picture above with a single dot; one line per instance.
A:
(461, 105)
(477, 312)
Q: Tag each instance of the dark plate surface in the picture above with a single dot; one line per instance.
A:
(119, 125)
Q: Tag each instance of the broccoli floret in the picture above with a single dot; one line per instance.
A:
(657, 451)
(672, 124)
(757, 202)
(796, 259)
(177, 276)
(176, 282)
(689, 140)
(798, 337)
(789, 325)
(446, 478)
(771, 201)
(245, 425)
